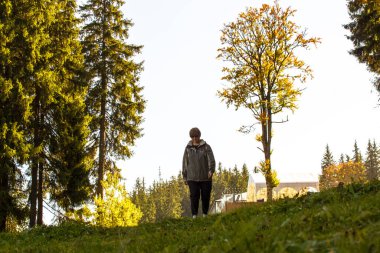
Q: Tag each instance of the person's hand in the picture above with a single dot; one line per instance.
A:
(209, 174)
(185, 182)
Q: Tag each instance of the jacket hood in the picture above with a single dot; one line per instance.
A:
(202, 142)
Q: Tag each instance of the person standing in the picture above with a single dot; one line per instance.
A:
(198, 166)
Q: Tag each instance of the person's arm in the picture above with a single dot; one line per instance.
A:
(211, 161)
(185, 162)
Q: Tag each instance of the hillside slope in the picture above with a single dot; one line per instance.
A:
(338, 220)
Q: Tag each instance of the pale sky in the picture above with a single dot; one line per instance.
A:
(182, 76)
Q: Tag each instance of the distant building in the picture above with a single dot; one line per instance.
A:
(290, 185)
(220, 204)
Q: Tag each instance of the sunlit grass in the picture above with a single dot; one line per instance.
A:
(338, 220)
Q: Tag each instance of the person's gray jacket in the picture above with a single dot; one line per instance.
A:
(197, 162)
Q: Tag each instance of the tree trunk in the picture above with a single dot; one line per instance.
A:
(102, 141)
(99, 190)
(266, 127)
(33, 190)
(4, 193)
(103, 100)
(40, 194)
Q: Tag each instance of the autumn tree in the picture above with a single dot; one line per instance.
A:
(115, 208)
(346, 173)
(260, 49)
(364, 28)
(114, 99)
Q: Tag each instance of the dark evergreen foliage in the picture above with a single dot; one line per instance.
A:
(170, 199)
(357, 157)
(67, 153)
(114, 100)
(14, 116)
(327, 159)
(364, 28)
(372, 162)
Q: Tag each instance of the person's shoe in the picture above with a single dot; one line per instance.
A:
(194, 216)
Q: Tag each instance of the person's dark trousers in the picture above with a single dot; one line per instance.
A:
(199, 189)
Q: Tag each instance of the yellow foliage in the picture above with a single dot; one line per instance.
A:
(346, 173)
(264, 71)
(115, 209)
(259, 137)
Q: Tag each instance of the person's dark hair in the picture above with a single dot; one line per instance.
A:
(195, 132)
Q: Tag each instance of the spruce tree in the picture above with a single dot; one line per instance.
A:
(341, 158)
(364, 26)
(42, 87)
(69, 159)
(372, 161)
(35, 75)
(327, 159)
(14, 115)
(243, 182)
(357, 155)
(53, 80)
(140, 198)
(114, 100)
(376, 152)
(184, 195)
(217, 185)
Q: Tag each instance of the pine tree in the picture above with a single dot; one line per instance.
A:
(14, 115)
(357, 155)
(35, 76)
(69, 160)
(363, 27)
(372, 161)
(42, 85)
(235, 180)
(376, 160)
(114, 99)
(217, 185)
(140, 198)
(341, 159)
(58, 91)
(327, 159)
(243, 182)
(173, 205)
(184, 195)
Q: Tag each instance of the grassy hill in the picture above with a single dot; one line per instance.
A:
(339, 220)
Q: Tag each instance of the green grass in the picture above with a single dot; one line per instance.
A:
(338, 220)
